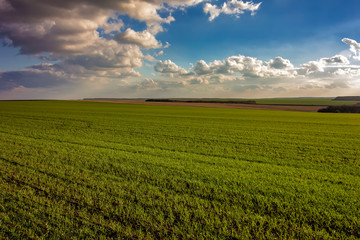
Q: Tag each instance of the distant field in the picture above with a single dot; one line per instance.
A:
(305, 101)
(73, 170)
(272, 101)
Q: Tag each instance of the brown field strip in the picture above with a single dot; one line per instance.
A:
(220, 105)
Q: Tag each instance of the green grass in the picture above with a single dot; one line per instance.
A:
(72, 170)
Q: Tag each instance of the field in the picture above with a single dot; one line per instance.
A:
(304, 101)
(72, 170)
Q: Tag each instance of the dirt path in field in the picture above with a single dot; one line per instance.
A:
(219, 105)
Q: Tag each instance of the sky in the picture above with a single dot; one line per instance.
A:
(65, 49)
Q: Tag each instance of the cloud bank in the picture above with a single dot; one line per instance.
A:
(89, 51)
(244, 74)
(86, 38)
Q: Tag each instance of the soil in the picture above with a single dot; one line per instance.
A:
(220, 105)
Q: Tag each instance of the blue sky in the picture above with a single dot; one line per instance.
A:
(191, 48)
(298, 30)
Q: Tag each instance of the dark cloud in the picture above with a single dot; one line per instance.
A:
(67, 26)
(32, 78)
(67, 32)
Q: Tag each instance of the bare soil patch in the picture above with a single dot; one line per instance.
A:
(220, 105)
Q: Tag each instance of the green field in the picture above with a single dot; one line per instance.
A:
(72, 170)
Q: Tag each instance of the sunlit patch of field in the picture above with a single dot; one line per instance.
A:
(86, 169)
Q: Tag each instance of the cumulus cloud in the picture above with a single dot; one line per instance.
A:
(280, 63)
(246, 66)
(72, 33)
(144, 39)
(109, 56)
(354, 47)
(71, 27)
(168, 67)
(278, 75)
(311, 67)
(325, 67)
(337, 59)
(202, 68)
(254, 77)
(232, 7)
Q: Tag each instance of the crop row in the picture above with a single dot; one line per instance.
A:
(79, 170)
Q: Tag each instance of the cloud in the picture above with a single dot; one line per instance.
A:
(91, 50)
(326, 67)
(72, 27)
(109, 55)
(201, 68)
(148, 84)
(354, 47)
(159, 53)
(337, 59)
(143, 39)
(246, 66)
(37, 77)
(280, 63)
(337, 84)
(277, 76)
(231, 7)
(311, 67)
(112, 25)
(84, 37)
(168, 67)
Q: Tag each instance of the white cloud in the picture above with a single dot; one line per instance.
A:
(201, 68)
(276, 77)
(231, 7)
(311, 67)
(246, 66)
(280, 63)
(326, 67)
(143, 39)
(354, 47)
(337, 59)
(168, 67)
(161, 52)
